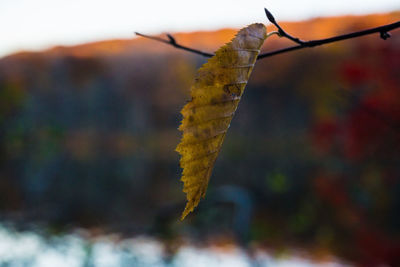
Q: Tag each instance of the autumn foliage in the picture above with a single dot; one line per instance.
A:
(88, 136)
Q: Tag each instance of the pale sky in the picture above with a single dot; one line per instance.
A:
(40, 24)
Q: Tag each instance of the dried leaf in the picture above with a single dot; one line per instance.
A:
(216, 93)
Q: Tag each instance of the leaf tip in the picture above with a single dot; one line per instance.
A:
(188, 209)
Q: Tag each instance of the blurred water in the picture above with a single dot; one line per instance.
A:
(28, 248)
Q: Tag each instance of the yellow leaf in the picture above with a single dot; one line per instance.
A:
(216, 93)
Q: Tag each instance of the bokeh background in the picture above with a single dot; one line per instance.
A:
(309, 171)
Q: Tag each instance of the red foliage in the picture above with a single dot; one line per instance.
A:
(323, 135)
(354, 73)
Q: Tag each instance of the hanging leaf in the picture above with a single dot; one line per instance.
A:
(216, 93)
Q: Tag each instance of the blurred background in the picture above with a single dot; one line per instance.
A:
(308, 174)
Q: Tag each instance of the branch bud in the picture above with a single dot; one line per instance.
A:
(269, 16)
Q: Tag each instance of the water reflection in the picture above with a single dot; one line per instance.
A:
(32, 249)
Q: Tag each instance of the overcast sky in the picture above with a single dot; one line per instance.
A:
(40, 24)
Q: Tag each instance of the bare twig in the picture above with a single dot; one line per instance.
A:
(382, 30)
(173, 42)
(281, 32)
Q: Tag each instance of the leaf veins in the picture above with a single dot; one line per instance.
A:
(215, 93)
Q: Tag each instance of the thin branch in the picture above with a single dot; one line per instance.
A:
(281, 32)
(382, 30)
(173, 42)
